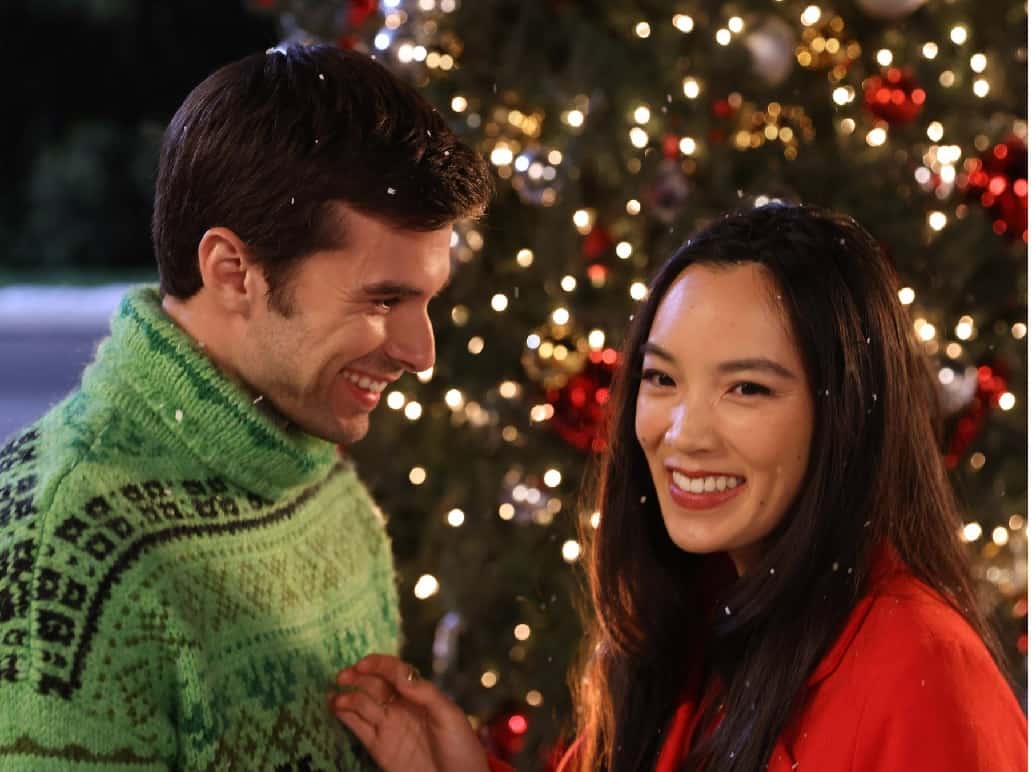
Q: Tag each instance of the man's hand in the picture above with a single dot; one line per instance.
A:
(405, 723)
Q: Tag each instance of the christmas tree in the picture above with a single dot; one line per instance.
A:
(615, 130)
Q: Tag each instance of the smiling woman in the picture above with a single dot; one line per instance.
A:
(724, 412)
(776, 580)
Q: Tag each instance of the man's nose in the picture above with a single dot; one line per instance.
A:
(411, 343)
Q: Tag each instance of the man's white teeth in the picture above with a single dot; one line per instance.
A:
(705, 484)
(364, 382)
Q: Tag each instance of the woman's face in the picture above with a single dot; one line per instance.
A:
(724, 412)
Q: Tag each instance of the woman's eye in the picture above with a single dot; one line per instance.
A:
(656, 378)
(750, 389)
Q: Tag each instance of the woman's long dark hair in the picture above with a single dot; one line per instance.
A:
(874, 476)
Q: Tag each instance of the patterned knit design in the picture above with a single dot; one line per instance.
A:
(180, 578)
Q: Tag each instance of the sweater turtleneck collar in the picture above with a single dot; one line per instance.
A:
(152, 369)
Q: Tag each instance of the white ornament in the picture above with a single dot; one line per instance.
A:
(772, 45)
(889, 9)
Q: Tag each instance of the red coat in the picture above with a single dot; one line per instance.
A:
(908, 687)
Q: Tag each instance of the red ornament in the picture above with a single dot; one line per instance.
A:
(671, 146)
(506, 734)
(596, 243)
(998, 180)
(895, 97)
(991, 385)
(580, 405)
(359, 11)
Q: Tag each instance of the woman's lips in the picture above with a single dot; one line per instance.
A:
(704, 499)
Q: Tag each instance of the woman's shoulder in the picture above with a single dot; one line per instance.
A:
(907, 620)
(911, 681)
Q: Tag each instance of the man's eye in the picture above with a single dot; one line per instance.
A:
(386, 304)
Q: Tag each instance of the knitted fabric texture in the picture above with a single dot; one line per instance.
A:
(180, 577)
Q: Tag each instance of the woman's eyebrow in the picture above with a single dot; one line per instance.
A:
(755, 363)
(731, 366)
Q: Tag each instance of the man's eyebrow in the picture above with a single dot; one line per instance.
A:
(731, 366)
(397, 288)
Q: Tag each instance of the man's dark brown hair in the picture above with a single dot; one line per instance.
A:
(265, 146)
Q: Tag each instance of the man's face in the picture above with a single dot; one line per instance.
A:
(358, 321)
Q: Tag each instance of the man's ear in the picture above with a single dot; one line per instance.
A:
(232, 279)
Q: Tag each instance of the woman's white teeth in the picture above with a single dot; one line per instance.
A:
(705, 484)
(366, 383)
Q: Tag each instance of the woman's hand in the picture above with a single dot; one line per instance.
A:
(405, 723)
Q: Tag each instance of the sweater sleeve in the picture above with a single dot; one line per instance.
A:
(48, 732)
(945, 707)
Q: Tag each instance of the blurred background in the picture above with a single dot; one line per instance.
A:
(615, 129)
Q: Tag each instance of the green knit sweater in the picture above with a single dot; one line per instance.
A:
(180, 578)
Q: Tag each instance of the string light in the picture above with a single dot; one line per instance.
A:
(1007, 401)
(475, 345)
(686, 145)
(736, 24)
(489, 679)
(425, 376)
(552, 478)
(639, 137)
(683, 22)
(642, 29)
(499, 302)
(936, 220)
(1019, 330)
(723, 36)
(534, 698)
(959, 34)
(561, 316)
(454, 399)
(810, 16)
(972, 532)
(633, 206)
(639, 290)
(521, 632)
(642, 114)
(571, 551)
(691, 88)
(413, 410)
(568, 283)
(907, 296)
(979, 62)
(929, 50)
(506, 511)
(417, 475)
(1000, 536)
(395, 400)
(884, 57)
(965, 327)
(456, 518)
(426, 587)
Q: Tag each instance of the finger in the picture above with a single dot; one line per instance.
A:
(362, 729)
(407, 681)
(376, 687)
(370, 710)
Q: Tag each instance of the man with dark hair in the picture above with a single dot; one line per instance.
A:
(185, 560)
